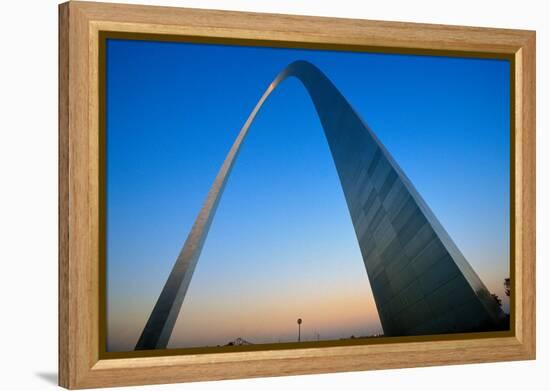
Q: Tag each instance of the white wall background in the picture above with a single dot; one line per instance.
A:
(28, 194)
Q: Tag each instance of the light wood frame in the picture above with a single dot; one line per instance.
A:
(80, 24)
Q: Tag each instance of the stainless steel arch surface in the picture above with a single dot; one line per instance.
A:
(421, 282)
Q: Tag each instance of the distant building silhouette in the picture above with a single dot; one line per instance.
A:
(239, 342)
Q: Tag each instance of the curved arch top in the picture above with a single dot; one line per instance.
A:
(421, 282)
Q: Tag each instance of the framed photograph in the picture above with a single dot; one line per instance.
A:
(247, 195)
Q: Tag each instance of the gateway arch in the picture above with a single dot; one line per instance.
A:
(421, 282)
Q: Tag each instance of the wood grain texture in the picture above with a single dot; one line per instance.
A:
(63, 200)
(527, 133)
(80, 365)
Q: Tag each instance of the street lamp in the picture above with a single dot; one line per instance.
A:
(299, 325)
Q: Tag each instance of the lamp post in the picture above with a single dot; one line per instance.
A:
(299, 325)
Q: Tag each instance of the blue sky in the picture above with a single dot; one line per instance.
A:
(282, 245)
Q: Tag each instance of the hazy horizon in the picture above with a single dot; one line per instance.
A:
(282, 245)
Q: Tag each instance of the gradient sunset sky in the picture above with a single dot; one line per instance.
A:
(282, 245)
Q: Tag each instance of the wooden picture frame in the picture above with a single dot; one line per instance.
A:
(81, 364)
